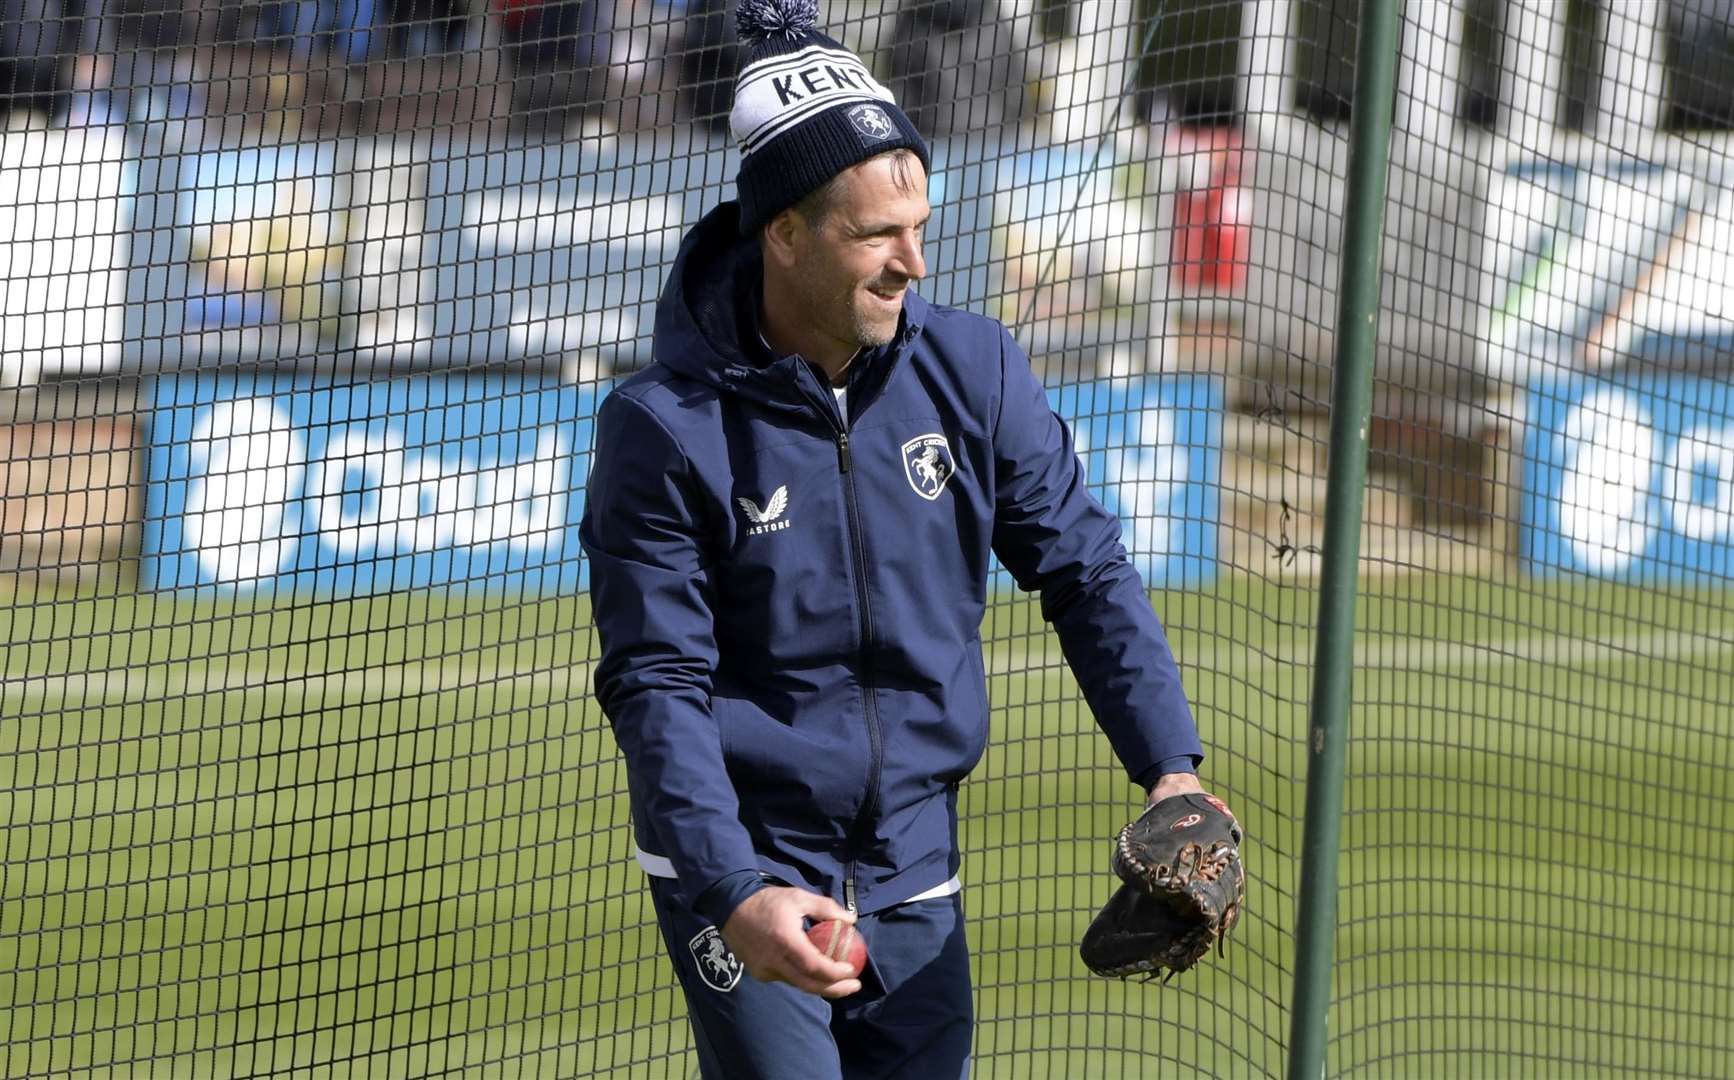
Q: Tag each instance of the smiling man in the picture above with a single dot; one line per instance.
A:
(837, 266)
(791, 522)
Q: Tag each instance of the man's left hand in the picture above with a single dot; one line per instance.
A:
(1183, 884)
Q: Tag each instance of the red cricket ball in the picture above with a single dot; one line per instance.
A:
(839, 941)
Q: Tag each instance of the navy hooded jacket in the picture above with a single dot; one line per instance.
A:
(790, 604)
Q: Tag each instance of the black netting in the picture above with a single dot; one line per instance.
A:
(307, 310)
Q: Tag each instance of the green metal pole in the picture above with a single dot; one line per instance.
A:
(1351, 405)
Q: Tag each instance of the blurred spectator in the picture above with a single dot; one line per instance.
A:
(32, 47)
(559, 52)
(709, 61)
(341, 28)
(355, 31)
(93, 100)
(134, 24)
(952, 62)
(427, 27)
(79, 60)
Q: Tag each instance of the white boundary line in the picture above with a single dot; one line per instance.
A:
(1415, 654)
(1668, 646)
(387, 682)
(162, 682)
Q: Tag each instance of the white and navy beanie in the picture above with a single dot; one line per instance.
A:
(806, 108)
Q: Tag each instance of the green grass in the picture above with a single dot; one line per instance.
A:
(387, 837)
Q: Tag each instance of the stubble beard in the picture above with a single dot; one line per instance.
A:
(844, 307)
(869, 331)
(871, 334)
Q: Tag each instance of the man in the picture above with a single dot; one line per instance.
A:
(790, 523)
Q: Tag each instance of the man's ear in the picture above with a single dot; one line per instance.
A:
(783, 236)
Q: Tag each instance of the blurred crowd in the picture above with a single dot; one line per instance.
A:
(357, 65)
(623, 64)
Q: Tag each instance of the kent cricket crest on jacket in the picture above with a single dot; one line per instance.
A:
(789, 598)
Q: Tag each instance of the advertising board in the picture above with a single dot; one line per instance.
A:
(295, 484)
(1631, 478)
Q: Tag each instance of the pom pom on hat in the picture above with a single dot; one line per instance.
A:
(761, 20)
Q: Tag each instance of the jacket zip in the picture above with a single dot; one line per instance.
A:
(874, 735)
(858, 554)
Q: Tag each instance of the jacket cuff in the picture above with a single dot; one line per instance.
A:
(719, 900)
(1179, 763)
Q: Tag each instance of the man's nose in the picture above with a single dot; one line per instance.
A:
(908, 259)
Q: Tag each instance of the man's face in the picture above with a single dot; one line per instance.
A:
(852, 267)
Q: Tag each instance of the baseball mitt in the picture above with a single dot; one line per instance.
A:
(1184, 885)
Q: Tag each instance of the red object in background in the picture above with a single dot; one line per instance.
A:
(512, 12)
(1212, 239)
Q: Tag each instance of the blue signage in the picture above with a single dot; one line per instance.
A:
(1631, 478)
(1152, 453)
(293, 483)
(306, 485)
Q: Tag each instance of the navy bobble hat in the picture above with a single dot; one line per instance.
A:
(806, 108)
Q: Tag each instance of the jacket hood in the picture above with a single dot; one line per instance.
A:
(706, 318)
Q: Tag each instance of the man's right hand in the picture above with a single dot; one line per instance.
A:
(768, 937)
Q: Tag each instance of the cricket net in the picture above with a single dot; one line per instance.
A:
(307, 309)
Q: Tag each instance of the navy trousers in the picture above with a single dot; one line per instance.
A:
(913, 1017)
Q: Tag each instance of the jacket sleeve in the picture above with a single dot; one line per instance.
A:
(651, 596)
(1058, 540)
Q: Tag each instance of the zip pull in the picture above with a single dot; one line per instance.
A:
(849, 891)
(843, 451)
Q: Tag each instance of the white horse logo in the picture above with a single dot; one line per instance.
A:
(871, 121)
(928, 468)
(928, 465)
(716, 964)
(717, 958)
